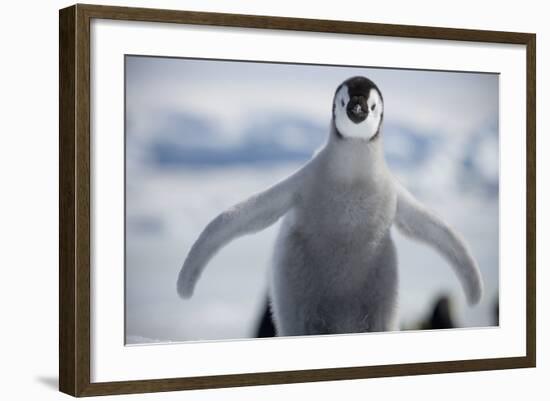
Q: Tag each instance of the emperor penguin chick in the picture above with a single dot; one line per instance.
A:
(335, 265)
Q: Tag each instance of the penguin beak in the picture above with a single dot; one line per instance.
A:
(357, 109)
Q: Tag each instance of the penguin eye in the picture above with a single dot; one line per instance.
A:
(373, 107)
(342, 102)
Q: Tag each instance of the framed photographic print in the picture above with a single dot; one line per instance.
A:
(250, 200)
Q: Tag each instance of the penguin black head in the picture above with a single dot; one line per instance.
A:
(358, 109)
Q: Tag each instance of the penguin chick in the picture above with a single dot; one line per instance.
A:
(335, 265)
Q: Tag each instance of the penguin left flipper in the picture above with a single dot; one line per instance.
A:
(416, 221)
(252, 215)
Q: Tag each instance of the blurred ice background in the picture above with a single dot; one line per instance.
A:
(202, 135)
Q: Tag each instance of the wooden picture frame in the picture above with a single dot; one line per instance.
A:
(75, 199)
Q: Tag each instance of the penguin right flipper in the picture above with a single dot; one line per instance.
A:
(252, 215)
(416, 221)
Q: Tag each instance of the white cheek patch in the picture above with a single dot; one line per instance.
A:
(365, 129)
(342, 98)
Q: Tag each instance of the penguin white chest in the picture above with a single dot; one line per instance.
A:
(334, 236)
(334, 255)
(349, 217)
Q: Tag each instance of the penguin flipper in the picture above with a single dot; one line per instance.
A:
(416, 221)
(253, 214)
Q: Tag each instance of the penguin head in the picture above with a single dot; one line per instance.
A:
(358, 109)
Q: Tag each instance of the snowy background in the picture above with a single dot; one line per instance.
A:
(202, 135)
